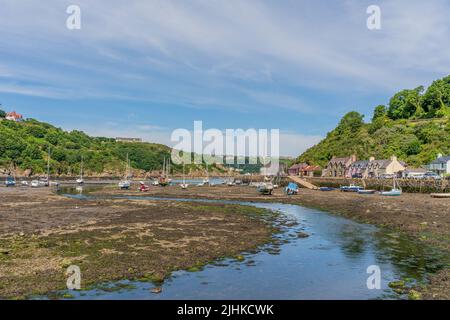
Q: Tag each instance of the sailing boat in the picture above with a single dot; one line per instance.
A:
(126, 183)
(164, 178)
(46, 181)
(266, 187)
(80, 180)
(184, 185)
(205, 181)
(395, 191)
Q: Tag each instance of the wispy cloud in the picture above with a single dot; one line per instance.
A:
(235, 56)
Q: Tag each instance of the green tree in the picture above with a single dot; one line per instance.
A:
(405, 104)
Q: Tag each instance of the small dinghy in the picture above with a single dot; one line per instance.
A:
(10, 182)
(351, 188)
(291, 189)
(366, 191)
(265, 188)
(143, 187)
(440, 195)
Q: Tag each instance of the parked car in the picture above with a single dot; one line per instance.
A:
(432, 175)
(386, 176)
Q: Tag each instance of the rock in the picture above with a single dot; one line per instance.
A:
(156, 290)
(414, 295)
(396, 284)
(4, 251)
(21, 234)
(240, 258)
(302, 234)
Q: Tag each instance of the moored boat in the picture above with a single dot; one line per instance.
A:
(351, 188)
(10, 181)
(125, 184)
(440, 195)
(364, 191)
(395, 191)
(326, 189)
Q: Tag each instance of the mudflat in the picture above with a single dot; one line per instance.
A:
(42, 233)
(419, 215)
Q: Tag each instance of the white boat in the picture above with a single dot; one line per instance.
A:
(35, 184)
(184, 185)
(395, 191)
(155, 183)
(24, 183)
(80, 180)
(265, 188)
(126, 183)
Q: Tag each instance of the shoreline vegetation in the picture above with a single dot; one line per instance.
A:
(43, 233)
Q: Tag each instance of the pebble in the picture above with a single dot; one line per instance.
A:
(156, 290)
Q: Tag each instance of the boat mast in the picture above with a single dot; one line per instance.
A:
(81, 169)
(48, 166)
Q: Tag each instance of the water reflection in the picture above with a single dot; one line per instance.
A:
(330, 263)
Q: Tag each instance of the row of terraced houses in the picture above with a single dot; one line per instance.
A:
(351, 167)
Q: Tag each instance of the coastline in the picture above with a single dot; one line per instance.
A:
(413, 214)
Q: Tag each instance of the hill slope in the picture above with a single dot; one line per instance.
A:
(415, 126)
(24, 146)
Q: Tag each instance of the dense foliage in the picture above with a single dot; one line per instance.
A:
(415, 126)
(24, 145)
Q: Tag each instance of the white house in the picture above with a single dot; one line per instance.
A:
(441, 165)
(13, 116)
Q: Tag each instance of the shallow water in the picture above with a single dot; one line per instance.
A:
(329, 264)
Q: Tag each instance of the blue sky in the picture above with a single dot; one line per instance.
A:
(144, 68)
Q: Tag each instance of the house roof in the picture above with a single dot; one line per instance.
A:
(360, 164)
(441, 160)
(298, 166)
(339, 160)
(311, 168)
(14, 115)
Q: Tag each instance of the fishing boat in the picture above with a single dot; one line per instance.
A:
(364, 191)
(395, 191)
(326, 189)
(126, 183)
(80, 180)
(351, 188)
(10, 181)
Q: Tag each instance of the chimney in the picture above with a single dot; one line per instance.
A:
(394, 158)
(353, 157)
(372, 159)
